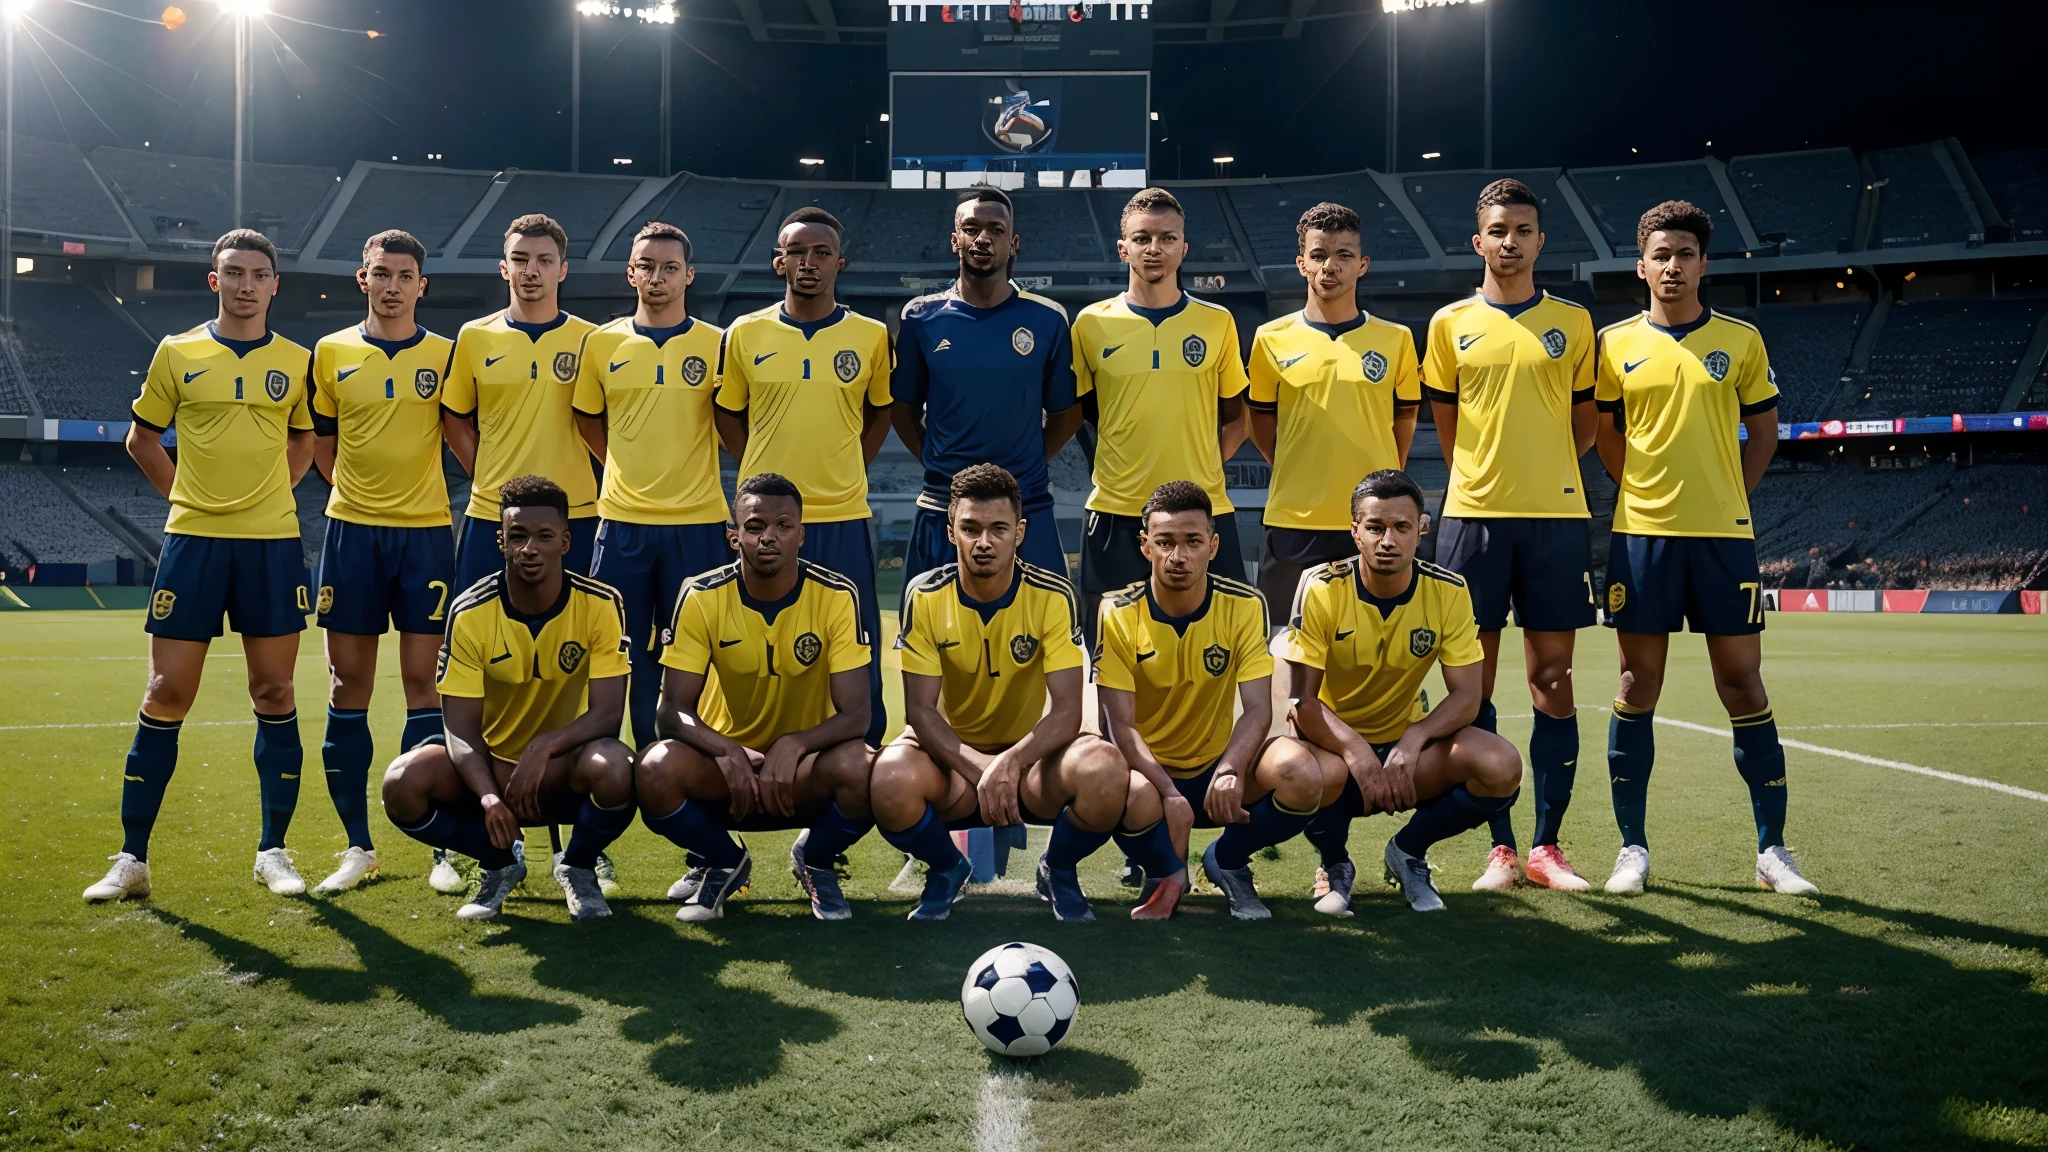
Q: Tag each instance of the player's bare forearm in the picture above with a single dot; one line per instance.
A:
(463, 719)
(1759, 448)
(935, 733)
(1255, 699)
(1613, 445)
(1266, 433)
(460, 433)
(676, 718)
(1446, 416)
(1404, 432)
(1584, 417)
(1314, 718)
(1231, 428)
(732, 431)
(849, 719)
(146, 448)
(298, 454)
(1120, 713)
(1060, 428)
(874, 428)
(323, 456)
(1460, 705)
(601, 718)
(592, 429)
(908, 420)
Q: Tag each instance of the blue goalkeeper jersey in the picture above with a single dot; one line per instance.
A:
(986, 378)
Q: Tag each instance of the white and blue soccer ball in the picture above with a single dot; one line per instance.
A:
(1020, 999)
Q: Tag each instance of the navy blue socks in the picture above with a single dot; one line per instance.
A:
(1761, 760)
(596, 827)
(446, 828)
(927, 840)
(421, 725)
(1330, 829)
(151, 760)
(345, 754)
(1553, 767)
(1631, 753)
(1447, 815)
(1270, 824)
(1502, 827)
(279, 757)
(1070, 843)
(1150, 848)
(699, 827)
(833, 834)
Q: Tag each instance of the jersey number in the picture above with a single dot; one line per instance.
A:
(988, 659)
(1756, 607)
(771, 659)
(442, 603)
(807, 369)
(302, 599)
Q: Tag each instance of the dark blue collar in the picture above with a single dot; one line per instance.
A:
(1333, 331)
(1158, 316)
(239, 347)
(662, 336)
(533, 623)
(1681, 331)
(1386, 607)
(975, 311)
(1514, 310)
(770, 609)
(1179, 624)
(535, 331)
(391, 348)
(987, 609)
(811, 328)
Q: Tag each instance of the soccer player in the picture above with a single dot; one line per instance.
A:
(803, 392)
(984, 373)
(1509, 376)
(763, 699)
(510, 387)
(533, 683)
(991, 651)
(643, 401)
(237, 392)
(1176, 649)
(1363, 634)
(1160, 377)
(1676, 380)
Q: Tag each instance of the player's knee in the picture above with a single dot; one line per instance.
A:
(1742, 693)
(1143, 806)
(167, 699)
(271, 696)
(608, 766)
(419, 689)
(659, 766)
(848, 768)
(899, 787)
(1641, 687)
(1099, 770)
(1494, 762)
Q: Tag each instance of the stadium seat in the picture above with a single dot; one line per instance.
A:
(1808, 198)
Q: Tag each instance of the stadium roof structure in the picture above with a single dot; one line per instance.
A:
(1173, 21)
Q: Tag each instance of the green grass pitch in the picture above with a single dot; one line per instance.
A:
(1905, 1008)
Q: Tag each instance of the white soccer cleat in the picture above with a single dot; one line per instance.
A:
(357, 865)
(687, 887)
(128, 879)
(579, 887)
(492, 888)
(1503, 870)
(1631, 869)
(444, 878)
(1411, 873)
(1778, 871)
(274, 871)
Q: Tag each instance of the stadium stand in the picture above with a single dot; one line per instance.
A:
(168, 313)
(183, 201)
(1809, 349)
(40, 525)
(1057, 228)
(1937, 357)
(428, 203)
(85, 362)
(1618, 197)
(1209, 237)
(1989, 530)
(1920, 202)
(2018, 184)
(1269, 212)
(122, 492)
(55, 191)
(720, 216)
(899, 227)
(1807, 198)
(582, 205)
(1445, 200)
(1931, 526)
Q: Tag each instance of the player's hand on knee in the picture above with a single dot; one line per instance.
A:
(499, 822)
(522, 791)
(1225, 801)
(1371, 776)
(1400, 771)
(738, 769)
(778, 777)
(997, 793)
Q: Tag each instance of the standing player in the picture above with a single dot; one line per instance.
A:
(388, 556)
(984, 373)
(237, 393)
(643, 401)
(992, 659)
(803, 392)
(533, 680)
(1176, 649)
(1509, 376)
(510, 386)
(1363, 634)
(762, 705)
(1676, 380)
(1159, 375)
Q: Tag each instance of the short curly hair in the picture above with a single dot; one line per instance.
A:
(1675, 216)
(1505, 191)
(770, 484)
(984, 482)
(1328, 217)
(1178, 496)
(532, 491)
(539, 224)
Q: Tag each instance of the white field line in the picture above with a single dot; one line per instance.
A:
(1922, 724)
(1003, 1120)
(1860, 758)
(118, 724)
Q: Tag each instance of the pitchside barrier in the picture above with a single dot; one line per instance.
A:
(1972, 602)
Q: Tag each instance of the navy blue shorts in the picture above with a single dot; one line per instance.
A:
(259, 585)
(1352, 802)
(1655, 583)
(477, 554)
(844, 547)
(1286, 553)
(1542, 567)
(373, 579)
(648, 563)
(929, 547)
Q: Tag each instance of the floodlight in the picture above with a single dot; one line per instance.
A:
(1223, 160)
(1412, 5)
(809, 161)
(1432, 155)
(244, 8)
(12, 11)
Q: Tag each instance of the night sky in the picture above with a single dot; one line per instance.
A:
(1576, 82)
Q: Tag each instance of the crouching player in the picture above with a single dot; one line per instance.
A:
(764, 697)
(1363, 634)
(984, 643)
(533, 687)
(1175, 648)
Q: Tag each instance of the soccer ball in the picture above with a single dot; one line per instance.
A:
(1019, 999)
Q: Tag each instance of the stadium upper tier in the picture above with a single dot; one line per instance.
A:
(1941, 356)
(2018, 185)
(1618, 197)
(1934, 526)
(1805, 202)
(1922, 199)
(188, 201)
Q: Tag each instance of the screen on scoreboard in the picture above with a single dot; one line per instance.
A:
(1020, 37)
(1018, 123)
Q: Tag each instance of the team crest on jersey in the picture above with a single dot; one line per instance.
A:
(570, 657)
(694, 370)
(1023, 341)
(326, 601)
(1215, 658)
(1192, 350)
(1553, 343)
(565, 366)
(846, 365)
(1617, 595)
(426, 382)
(1716, 364)
(275, 384)
(1023, 648)
(808, 646)
(161, 604)
(1375, 366)
(1421, 642)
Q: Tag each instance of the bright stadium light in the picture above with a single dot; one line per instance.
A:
(664, 13)
(1432, 155)
(13, 10)
(1412, 5)
(244, 7)
(809, 161)
(621, 160)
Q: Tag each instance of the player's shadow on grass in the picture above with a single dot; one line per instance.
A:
(435, 985)
(1073, 1074)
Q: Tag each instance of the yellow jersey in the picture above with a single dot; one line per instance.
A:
(381, 400)
(804, 386)
(654, 386)
(235, 404)
(1157, 375)
(1334, 390)
(518, 380)
(767, 667)
(991, 659)
(1184, 670)
(1374, 653)
(533, 673)
(1678, 395)
(1514, 371)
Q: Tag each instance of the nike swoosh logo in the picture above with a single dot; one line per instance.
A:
(191, 376)
(945, 644)
(942, 346)
(1465, 342)
(730, 643)
(341, 374)
(1292, 361)
(1144, 656)
(616, 367)
(1345, 634)
(490, 360)
(1638, 364)
(1110, 351)
(284, 776)
(503, 656)
(763, 356)
(1569, 763)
